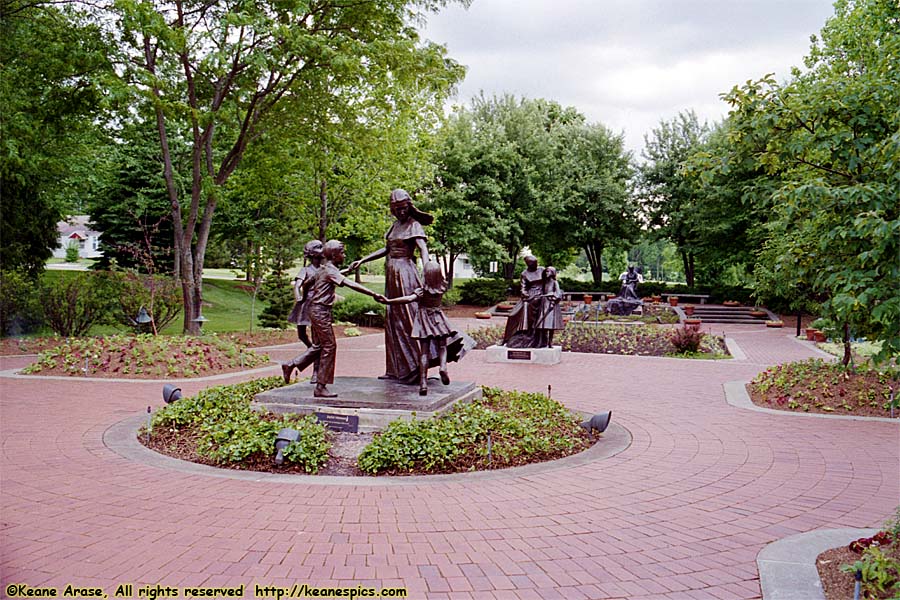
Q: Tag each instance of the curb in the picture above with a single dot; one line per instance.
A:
(736, 395)
(121, 438)
(787, 567)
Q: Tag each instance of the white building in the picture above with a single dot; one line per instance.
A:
(75, 231)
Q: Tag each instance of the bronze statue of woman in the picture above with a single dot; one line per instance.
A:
(401, 278)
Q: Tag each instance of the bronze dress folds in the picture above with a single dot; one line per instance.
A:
(401, 278)
(300, 313)
(430, 319)
(519, 331)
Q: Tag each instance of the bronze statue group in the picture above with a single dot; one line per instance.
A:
(417, 334)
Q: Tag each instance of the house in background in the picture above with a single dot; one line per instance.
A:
(75, 230)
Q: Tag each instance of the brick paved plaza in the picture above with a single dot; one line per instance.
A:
(681, 513)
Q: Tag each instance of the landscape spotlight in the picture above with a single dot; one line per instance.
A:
(598, 422)
(171, 393)
(284, 439)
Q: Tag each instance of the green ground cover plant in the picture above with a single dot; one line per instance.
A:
(145, 356)
(641, 340)
(522, 428)
(218, 426)
(818, 386)
(651, 314)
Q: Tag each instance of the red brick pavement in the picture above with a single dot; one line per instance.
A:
(682, 513)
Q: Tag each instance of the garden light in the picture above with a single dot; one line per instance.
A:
(598, 422)
(142, 317)
(171, 393)
(285, 438)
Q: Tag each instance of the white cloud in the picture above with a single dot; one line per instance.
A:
(626, 64)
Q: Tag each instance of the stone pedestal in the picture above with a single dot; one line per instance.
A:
(535, 356)
(374, 402)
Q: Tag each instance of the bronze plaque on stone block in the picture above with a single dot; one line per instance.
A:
(349, 423)
(518, 355)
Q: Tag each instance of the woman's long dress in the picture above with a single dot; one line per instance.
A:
(401, 278)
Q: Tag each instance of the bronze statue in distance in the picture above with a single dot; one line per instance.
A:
(628, 299)
(521, 330)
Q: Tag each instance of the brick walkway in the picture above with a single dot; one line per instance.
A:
(682, 513)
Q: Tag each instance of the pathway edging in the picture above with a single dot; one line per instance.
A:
(736, 395)
(787, 567)
(121, 438)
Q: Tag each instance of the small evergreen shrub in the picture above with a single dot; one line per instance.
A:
(687, 339)
(277, 292)
(72, 252)
(483, 292)
(20, 310)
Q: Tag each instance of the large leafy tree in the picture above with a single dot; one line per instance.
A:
(215, 73)
(831, 135)
(52, 64)
(670, 196)
(591, 205)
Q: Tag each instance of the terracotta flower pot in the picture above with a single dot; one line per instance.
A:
(759, 314)
(673, 300)
(688, 310)
(811, 333)
(775, 324)
(482, 315)
(820, 336)
(731, 303)
(692, 321)
(588, 298)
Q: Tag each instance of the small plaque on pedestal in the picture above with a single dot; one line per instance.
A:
(536, 356)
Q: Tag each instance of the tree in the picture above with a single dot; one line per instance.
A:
(830, 136)
(52, 63)
(215, 73)
(591, 204)
(670, 197)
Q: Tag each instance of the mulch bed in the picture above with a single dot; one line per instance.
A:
(345, 447)
(842, 399)
(837, 584)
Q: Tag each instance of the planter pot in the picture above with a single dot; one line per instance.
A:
(759, 314)
(482, 315)
(775, 324)
(656, 299)
(588, 298)
(673, 301)
(820, 336)
(692, 321)
(811, 333)
(505, 307)
(731, 303)
(688, 310)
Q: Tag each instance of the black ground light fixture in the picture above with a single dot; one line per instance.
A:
(285, 438)
(598, 422)
(171, 393)
(200, 320)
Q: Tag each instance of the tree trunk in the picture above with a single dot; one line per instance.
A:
(323, 210)
(594, 253)
(847, 354)
(687, 259)
(449, 261)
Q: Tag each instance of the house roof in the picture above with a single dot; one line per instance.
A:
(76, 226)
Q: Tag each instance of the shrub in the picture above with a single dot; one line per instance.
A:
(451, 297)
(19, 306)
(72, 305)
(353, 309)
(227, 430)
(687, 339)
(72, 252)
(159, 295)
(483, 292)
(277, 292)
(523, 428)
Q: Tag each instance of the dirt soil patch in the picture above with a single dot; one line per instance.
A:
(837, 584)
(345, 447)
(277, 337)
(824, 390)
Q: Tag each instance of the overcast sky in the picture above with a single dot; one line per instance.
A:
(626, 63)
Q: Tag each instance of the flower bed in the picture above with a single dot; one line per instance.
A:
(616, 339)
(877, 558)
(145, 357)
(824, 387)
(217, 427)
